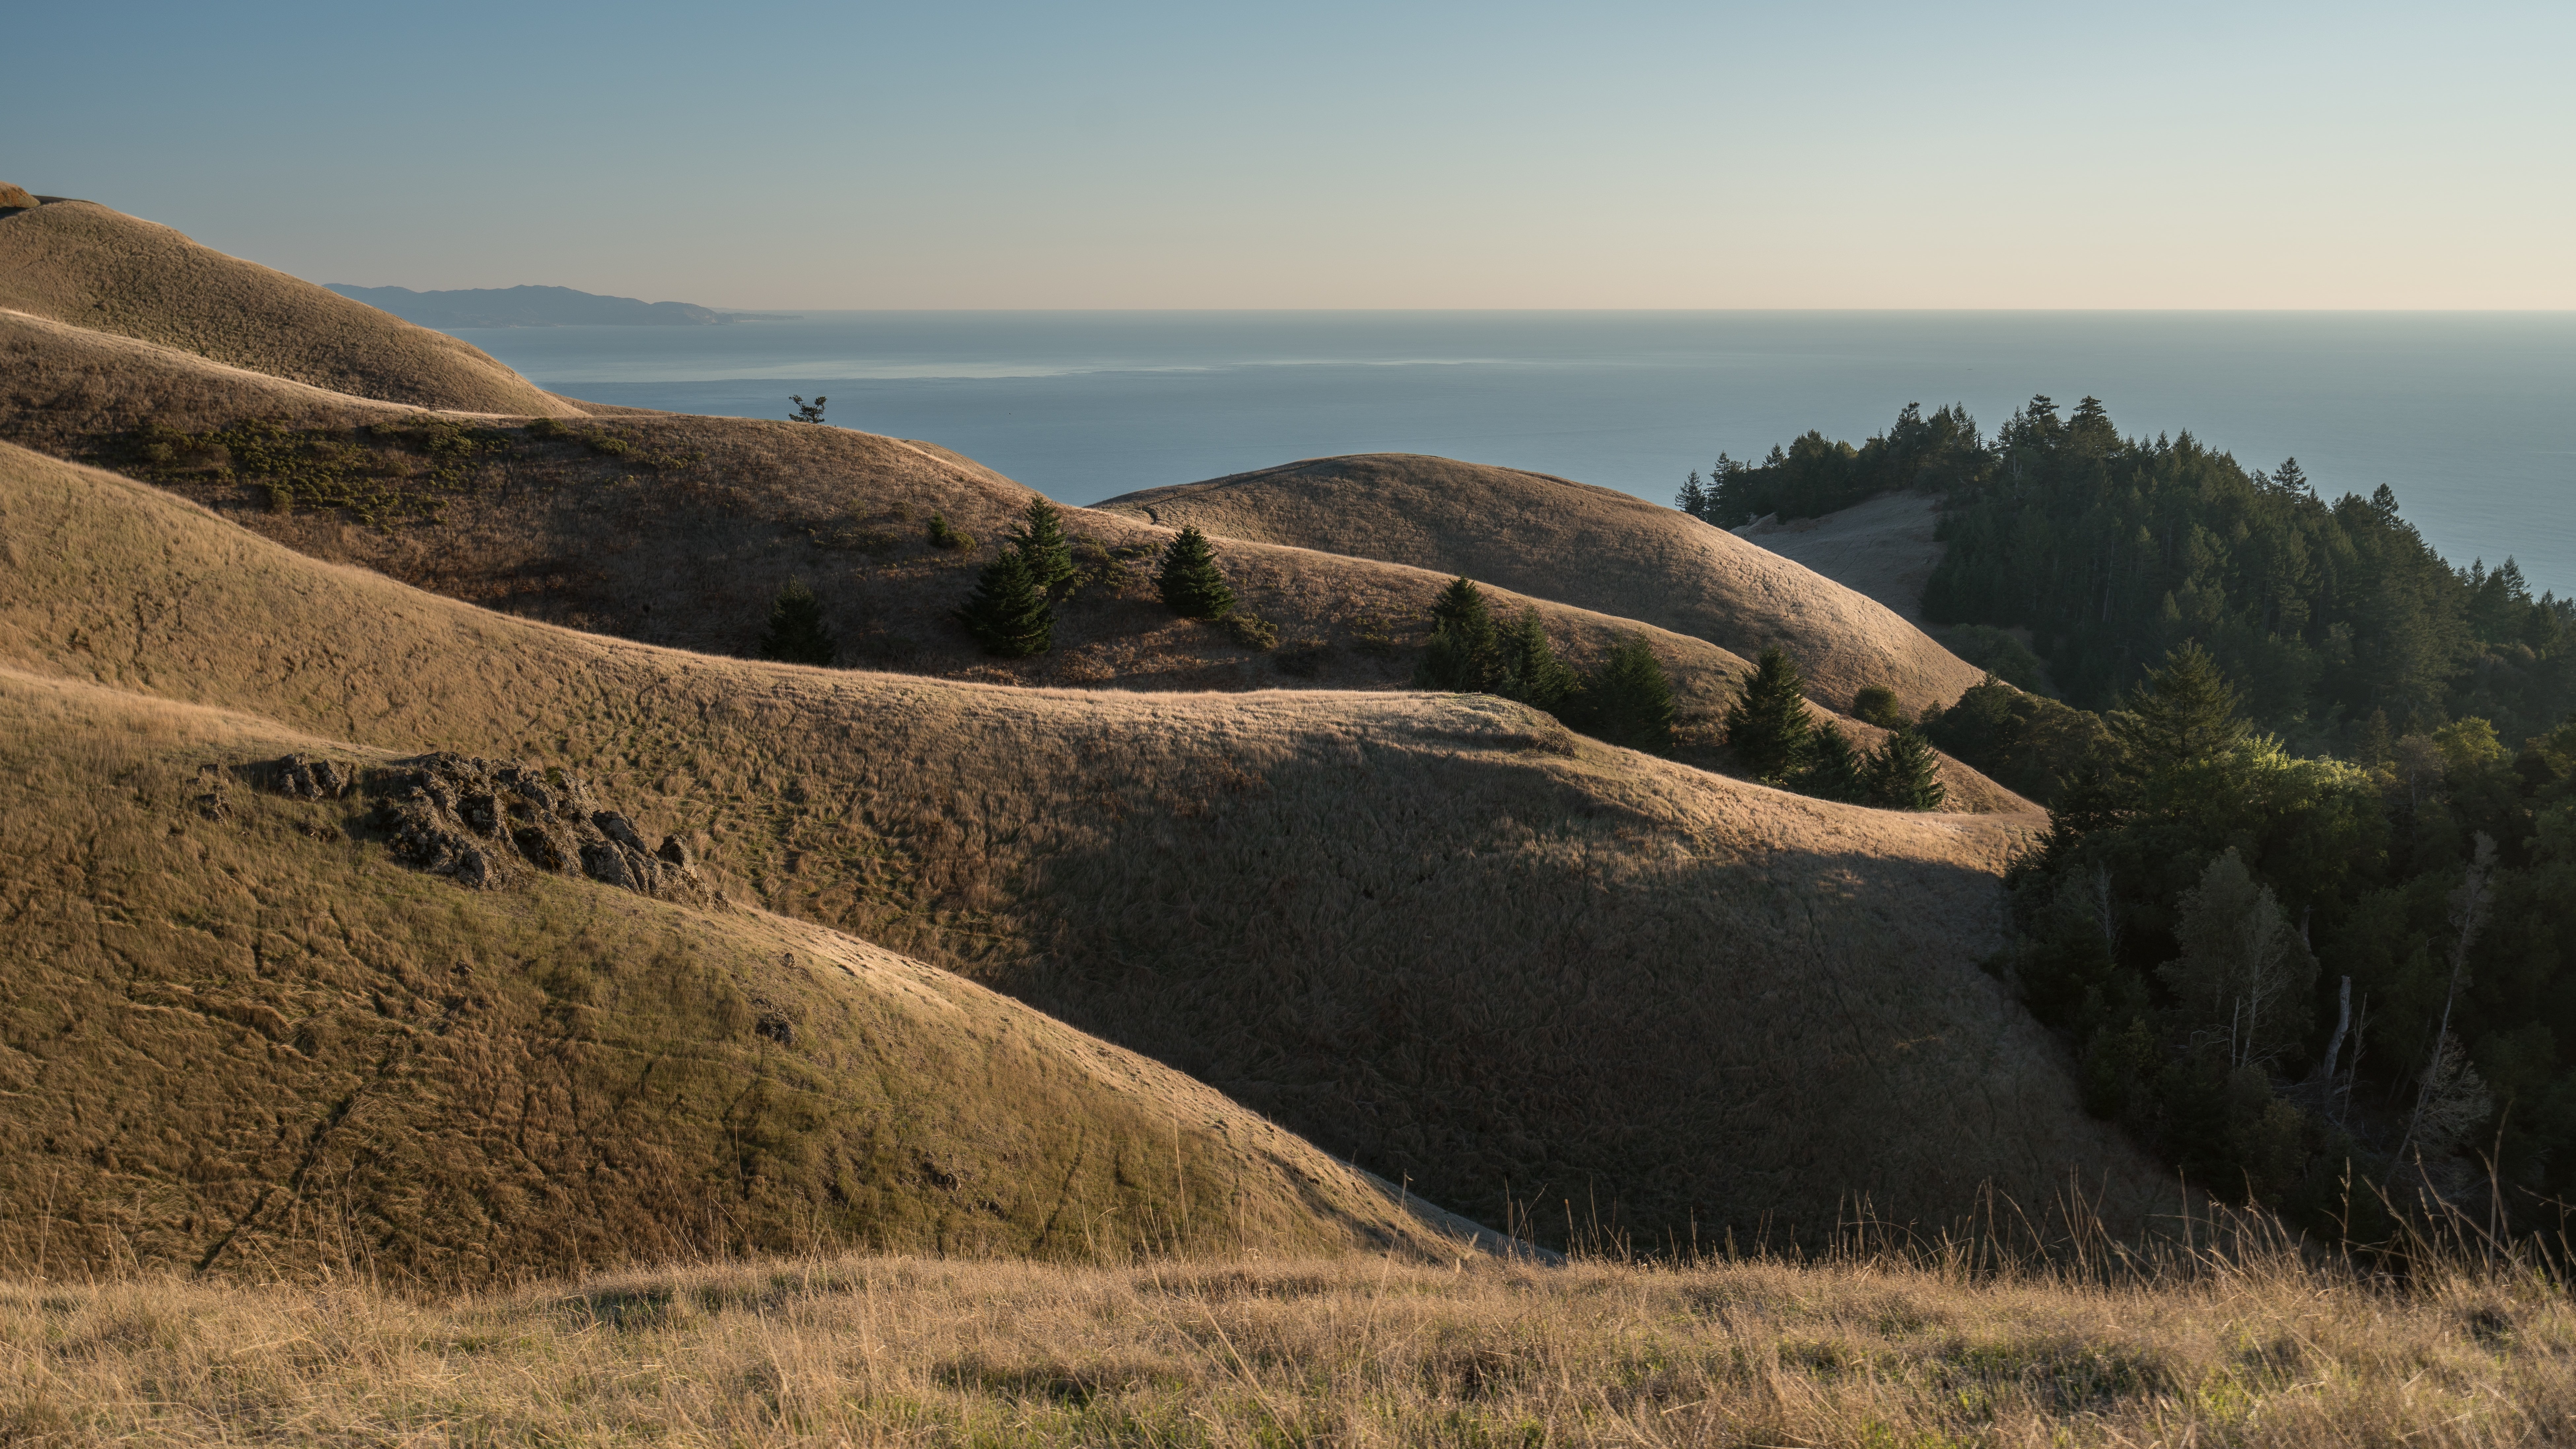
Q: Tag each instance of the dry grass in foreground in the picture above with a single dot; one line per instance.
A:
(1349, 1351)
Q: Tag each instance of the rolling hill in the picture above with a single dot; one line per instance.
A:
(1435, 934)
(92, 267)
(1590, 547)
(678, 530)
(236, 1033)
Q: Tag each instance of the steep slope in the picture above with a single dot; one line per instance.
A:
(94, 267)
(1436, 934)
(1590, 547)
(1884, 548)
(235, 1033)
(678, 530)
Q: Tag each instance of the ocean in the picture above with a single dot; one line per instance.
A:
(2470, 417)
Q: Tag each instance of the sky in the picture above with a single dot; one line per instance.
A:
(1378, 155)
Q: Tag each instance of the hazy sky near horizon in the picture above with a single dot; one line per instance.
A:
(2190, 155)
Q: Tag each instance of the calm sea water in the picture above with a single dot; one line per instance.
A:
(2470, 417)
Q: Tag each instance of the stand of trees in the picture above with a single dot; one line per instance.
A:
(2304, 908)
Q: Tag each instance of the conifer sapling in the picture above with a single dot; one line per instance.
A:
(1189, 580)
(1007, 613)
(1629, 700)
(1767, 724)
(1905, 774)
(796, 633)
(1041, 544)
(1462, 655)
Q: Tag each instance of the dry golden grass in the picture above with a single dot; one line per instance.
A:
(1350, 1352)
(245, 1039)
(1589, 547)
(690, 556)
(97, 268)
(1434, 934)
(1883, 548)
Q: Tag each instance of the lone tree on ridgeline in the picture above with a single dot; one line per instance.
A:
(1693, 499)
(796, 632)
(1041, 544)
(1463, 652)
(1189, 579)
(1008, 613)
(1628, 700)
(1767, 725)
(807, 412)
(1904, 774)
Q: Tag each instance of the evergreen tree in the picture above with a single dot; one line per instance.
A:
(2184, 712)
(1767, 725)
(1008, 614)
(1830, 768)
(1629, 701)
(1189, 578)
(1464, 653)
(1041, 544)
(1693, 499)
(1904, 774)
(807, 412)
(1529, 669)
(796, 631)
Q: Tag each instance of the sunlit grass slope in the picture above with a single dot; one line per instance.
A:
(97, 268)
(235, 1034)
(1591, 547)
(2268, 1355)
(1439, 935)
(607, 529)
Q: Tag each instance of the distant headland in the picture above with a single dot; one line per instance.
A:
(538, 307)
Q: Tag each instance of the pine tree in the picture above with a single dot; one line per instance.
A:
(1463, 655)
(1007, 613)
(1629, 701)
(2376, 746)
(1767, 725)
(2183, 712)
(1529, 670)
(1830, 768)
(1904, 774)
(1190, 581)
(796, 633)
(1693, 499)
(1041, 544)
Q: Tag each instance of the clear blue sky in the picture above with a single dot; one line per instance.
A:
(1329, 155)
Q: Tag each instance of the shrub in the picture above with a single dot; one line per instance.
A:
(1767, 725)
(609, 445)
(1189, 580)
(1877, 705)
(547, 428)
(1629, 701)
(1008, 614)
(1250, 630)
(796, 631)
(944, 535)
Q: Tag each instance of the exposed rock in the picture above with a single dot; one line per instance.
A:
(481, 822)
(309, 779)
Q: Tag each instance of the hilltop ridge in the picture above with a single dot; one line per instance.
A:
(1584, 545)
(527, 306)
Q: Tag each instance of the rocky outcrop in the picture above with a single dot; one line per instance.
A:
(482, 822)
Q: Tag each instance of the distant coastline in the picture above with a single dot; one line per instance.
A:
(540, 307)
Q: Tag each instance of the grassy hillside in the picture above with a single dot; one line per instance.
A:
(1439, 935)
(236, 1033)
(1587, 546)
(97, 268)
(1863, 1352)
(678, 530)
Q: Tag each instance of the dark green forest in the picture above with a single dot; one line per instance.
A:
(2306, 910)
